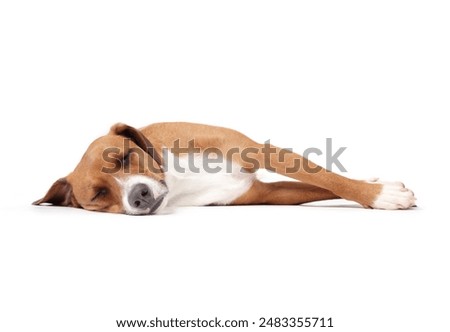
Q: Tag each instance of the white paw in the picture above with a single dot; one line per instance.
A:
(393, 196)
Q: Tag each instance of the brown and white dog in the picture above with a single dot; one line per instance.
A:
(143, 171)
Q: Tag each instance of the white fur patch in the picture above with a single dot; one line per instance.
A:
(393, 196)
(190, 183)
(195, 185)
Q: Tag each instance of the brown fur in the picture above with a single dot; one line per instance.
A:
(90, 188)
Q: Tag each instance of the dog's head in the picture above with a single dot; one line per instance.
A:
(120, 172)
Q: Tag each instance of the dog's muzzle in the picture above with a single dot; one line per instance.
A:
(142, 199)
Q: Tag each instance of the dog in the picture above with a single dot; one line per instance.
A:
(164, 165)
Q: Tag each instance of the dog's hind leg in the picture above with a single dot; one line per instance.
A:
(368, 194)
(283, 193)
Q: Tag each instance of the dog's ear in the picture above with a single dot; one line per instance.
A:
(59, 194)
(138, 138)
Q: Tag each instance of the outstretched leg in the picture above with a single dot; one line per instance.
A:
(375, 194)
(283, 193)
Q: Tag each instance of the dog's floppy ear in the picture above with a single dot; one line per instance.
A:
(59, 194)
(138, 138)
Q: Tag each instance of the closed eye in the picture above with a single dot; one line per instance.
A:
(100, 193)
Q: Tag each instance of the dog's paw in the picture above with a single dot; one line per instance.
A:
(393, 196)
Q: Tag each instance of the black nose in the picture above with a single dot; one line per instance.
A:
(141, 197)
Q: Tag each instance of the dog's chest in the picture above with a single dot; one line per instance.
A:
(195, 181)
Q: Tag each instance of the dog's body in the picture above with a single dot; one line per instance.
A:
(123, 172)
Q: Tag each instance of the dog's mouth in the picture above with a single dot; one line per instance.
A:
(157, 204)
(143, 196)
(152, 207)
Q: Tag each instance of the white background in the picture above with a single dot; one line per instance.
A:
(373, 76)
